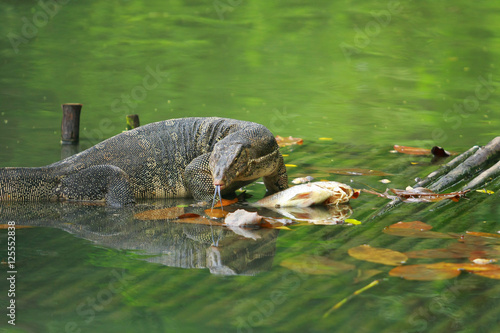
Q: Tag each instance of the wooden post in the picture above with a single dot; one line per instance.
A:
(70, 126)
(68, 150)
(132, 121)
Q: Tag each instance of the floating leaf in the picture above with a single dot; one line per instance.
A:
(415, 233)
(416, 225)
(160, 214)
(469, 267)
(316, 265)
(473, 249)
(358, 172)
(226, 202)
(482, 234)
(412, 150)
(494, 274)
(378, 255)
(283, 142)
(188, 215)
(436, 254)
(197, 220)
(385, 181)
(291, 165)
(428, 272)
(352, 221)
(485, 191)
(216, 213)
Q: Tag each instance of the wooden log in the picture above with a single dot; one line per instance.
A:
(70, 126)
(132, 121)
(469, 166)
(446, 168)
(457, 171)
(484, 177)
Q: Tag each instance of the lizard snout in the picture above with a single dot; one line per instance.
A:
(220, 182)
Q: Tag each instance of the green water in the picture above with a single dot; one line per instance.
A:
(368, 75)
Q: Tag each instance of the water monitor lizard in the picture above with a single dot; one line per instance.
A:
(173, 158)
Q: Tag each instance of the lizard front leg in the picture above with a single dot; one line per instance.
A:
(278, 181)
(198, 178)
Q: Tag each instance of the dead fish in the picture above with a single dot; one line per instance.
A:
(323, 215)
(306, 195)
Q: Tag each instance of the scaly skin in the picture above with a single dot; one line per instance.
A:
(183, 157)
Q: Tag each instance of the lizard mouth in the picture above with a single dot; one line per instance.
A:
(220, 183)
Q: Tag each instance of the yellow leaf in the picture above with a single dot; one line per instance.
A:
(290, 165)
(325, 139)
(378, 255)
(160, 214)
(352, 221)
(283, 228)
(485, 191)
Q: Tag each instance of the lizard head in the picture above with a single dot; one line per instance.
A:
(229, 162)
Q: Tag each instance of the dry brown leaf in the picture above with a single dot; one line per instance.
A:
(160, 214)
(216, 213)
(416, 225)
(437, 254)
(197, 220)
(412, 150)
(482, 234)
(495, 274)
(188, 215)
(378, 255)
(469, 267)
(424, 272)
(415, 233)
(226, 202)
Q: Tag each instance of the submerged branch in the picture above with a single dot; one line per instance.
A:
(457, 170)
(471, 164)
(447, 167)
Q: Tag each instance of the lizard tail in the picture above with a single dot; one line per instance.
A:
(27, 184)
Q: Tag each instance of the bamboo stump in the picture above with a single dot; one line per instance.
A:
(70, 126)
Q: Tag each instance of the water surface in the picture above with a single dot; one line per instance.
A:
(365, 76)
